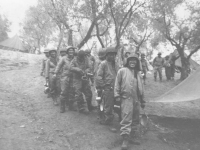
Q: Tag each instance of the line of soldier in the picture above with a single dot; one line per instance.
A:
(123, 86)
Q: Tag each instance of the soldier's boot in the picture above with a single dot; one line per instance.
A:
(62, 106)
(90, 107)
(70, 106)
(125, 142)
(135, 137)
(83, 111)
(55, 101)
(107, 120)
(160, 79)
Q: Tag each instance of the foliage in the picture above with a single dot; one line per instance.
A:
(4, 27)
(181, 31)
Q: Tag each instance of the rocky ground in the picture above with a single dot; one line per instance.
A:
(29, 120)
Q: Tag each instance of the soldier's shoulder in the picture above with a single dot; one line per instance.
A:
(103, 63)
(122, 69)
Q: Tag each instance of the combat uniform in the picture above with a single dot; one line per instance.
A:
(54, 82)
(66, 82)
(105, 80)
(129, 89)
(81, 86)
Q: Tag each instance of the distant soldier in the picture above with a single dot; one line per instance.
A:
(129, 91)
(66, 79)
(158, 63)
(54, 84)
(105, 80)
(144, 66)
(46, 53)
(80, 68)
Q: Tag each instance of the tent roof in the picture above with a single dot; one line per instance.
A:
(194, 64)
(14, 43)
(187, 90)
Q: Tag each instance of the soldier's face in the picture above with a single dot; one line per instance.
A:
(111, 56)
(132, 63)
(71, 52)
(53, 54)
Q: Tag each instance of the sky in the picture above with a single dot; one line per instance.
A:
(15, 10)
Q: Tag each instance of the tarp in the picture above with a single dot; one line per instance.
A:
(193, 64)
(13, 43)
(188, 90)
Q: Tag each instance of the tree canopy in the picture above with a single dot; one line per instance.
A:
(103, 23)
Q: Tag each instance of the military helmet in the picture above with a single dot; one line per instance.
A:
(46, 50)
(133, 56)
(102, 53)
(51, 50)
(88, 51)
(81, 53)
(111, 50)
(159, 53)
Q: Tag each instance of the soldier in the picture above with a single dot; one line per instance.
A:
(144, 66)
(46, 53)
(54, 84)
(105, 81)
(157, 65)
(92, 63)
(102, 57)
(80, 67)
(66, 78)
(128, 91)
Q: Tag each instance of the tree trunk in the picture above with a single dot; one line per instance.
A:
(88, 35)
(70, 37)
(185, 66)
(60, 40)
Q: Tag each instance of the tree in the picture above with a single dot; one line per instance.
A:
(182, 32)
(4, 27)
(37, 28)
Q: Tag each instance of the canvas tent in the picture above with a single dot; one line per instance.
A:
(187, 90)
(13, 43)
(194, 65)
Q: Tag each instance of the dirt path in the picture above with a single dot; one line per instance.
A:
(29, 121)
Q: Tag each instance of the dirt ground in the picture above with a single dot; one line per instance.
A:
(29, 120)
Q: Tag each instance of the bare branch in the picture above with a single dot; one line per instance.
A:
(98, 36)
(194, 51)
